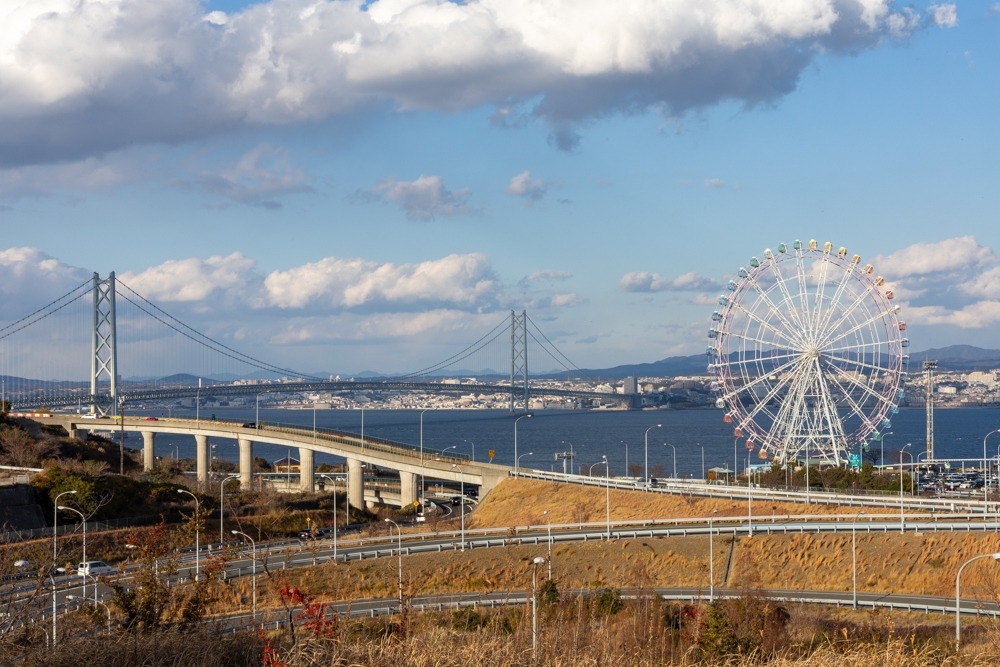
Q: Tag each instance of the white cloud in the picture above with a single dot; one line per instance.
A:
(564, 300)
(257, 178)
(29, 278)
(528, 188)
(922, 259)
(642, 281)
(546, 274)
(378, 326)
(714, 183)
(462, 281)
(944, 16)
(422, 199)
(45, 180)
(194, 280)
(83, 78)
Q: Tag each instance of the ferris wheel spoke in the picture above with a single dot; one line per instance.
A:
(785, 294)
(762, 378)
(753, 339)
(849, 310)
(800, 274)
(854, 362)
(770, 357)
(762, 403)
(835, 299)
(834, 427)
(792, 413)
(767, 299)
(858, 346)
(820, 291)
(767, 325)
(862, 386)
(854, 406)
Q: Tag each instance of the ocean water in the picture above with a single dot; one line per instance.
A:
(958, 434)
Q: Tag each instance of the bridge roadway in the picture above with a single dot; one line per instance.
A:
(139, 396)
(406, 459)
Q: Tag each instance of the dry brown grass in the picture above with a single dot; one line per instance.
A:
(520, 502)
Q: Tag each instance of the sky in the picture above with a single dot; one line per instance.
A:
(346, 185)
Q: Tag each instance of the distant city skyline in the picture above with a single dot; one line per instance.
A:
(311, 182)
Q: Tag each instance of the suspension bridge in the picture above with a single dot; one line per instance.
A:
(102, 348)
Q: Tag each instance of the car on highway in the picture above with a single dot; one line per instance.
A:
(94, 568)
(250, 425)
(472, 492)
(307, 535)
(456, 500)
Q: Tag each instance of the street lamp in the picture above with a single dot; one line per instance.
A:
(958, 598)
(55, 533)
(667, 444)
(882, 446)
(626, 456)
(257, 413)
(197, 404)
(254, 577)
(197, 534)
(399, 553)
(84, 601)
(572, 457)
(519, 459)
(902, 523)
(473, 445)
(539, 560)
(83, 519)
(222, 507)
(711, 559)
(607, 493)
(548, 521)
(647, 451)
(986, 476)
(515, 442)
(854, 556)
(702, 460)
(461, 477)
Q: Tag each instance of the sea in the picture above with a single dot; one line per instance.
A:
(621, 436)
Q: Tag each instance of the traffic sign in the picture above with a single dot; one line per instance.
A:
(491, 453)
(855, 460)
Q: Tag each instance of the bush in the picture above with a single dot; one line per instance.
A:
(548, 593)
(610, 601)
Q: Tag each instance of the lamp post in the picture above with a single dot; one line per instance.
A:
(254, 576)
(902, 523)
(473, 445)
(539, 560)
(257, 412)
(735, 460)
(422, 435)
(986, 480)
(55, 533)
(854, 556)
(197, 534)
(667, 444)
(702, 460)
(84, 601)
(461, 513)
(711, 559)
(626, 457)
(548, 520)
(647, 451)
(882, 446)
(83, 519)
(197, 404)
(521, 457)
(572, 457)
(516, 459)
(222, 507)
(958, 597)
(399, 554)
(607, 493)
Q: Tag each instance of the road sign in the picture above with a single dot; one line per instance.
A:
(855, 460)
(491, 453)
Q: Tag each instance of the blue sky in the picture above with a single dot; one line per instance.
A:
(328, 202)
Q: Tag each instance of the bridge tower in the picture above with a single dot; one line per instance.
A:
(519, 361)
(104, 348)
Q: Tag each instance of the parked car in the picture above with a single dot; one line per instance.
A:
(94, 568)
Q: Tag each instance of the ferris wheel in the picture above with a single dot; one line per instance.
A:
(809, 354)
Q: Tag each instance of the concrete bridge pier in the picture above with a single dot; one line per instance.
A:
(77, 433)
(306, 470)
(355, 484)
(148, 440)
(202, 460)
(246, 464)
(407, 488)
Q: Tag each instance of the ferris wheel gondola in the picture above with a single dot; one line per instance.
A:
(808, 353)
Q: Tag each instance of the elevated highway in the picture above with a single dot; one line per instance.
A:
(408, 460)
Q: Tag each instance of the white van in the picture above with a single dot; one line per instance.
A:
(94, 568)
